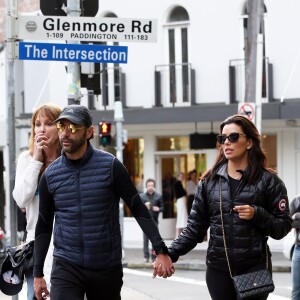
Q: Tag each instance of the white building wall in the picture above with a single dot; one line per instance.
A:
(3, 107)
(149, 159)
(214, 39)
(45, 82)
(209, 48)
(287, 161)
(283, 46)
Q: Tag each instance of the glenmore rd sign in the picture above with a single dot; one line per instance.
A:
(86, 29)
(72, 52)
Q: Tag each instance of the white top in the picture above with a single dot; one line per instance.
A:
(26, 195)
(25, 190)
(190, 187)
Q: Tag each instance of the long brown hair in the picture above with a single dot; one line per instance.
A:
(257, 161)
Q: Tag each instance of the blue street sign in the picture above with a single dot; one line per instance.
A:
(73, 52)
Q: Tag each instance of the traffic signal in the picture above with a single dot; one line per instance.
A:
(104, 133)
(91, 78)
(89, 8)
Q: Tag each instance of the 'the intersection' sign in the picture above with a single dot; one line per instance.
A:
(73, 52)
(86, 29)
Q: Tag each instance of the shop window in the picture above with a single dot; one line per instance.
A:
(172, 143)
(133, 156)
(269, 145)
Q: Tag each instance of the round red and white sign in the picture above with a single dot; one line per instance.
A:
(248, 110)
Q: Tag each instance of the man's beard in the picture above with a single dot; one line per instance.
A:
(75, 145)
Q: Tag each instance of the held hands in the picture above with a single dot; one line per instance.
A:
(163, 266)
(245, 212)
(40, 288)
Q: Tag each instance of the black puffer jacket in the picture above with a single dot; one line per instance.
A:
(245, 239)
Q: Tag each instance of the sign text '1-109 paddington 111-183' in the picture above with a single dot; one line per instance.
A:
(86, 29)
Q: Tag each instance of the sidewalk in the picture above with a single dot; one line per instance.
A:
(194, 260)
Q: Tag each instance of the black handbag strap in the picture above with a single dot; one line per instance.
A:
(223, 232)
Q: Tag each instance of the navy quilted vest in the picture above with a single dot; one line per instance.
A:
(86, 230)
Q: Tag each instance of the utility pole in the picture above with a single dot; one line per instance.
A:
(74, 95)
(12, 7)
(255, 19)
(259, 67)
(254, 57)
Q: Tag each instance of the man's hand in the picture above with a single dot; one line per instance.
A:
(40, 288)
(163, 266)
(155, 208)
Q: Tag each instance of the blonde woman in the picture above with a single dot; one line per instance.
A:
(44, 148)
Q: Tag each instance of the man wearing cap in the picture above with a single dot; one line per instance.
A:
(81, 189)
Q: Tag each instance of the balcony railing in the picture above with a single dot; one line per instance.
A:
(113, 87)
(237, 81)
(174, 85)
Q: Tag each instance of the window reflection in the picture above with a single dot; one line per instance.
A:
(172, 143)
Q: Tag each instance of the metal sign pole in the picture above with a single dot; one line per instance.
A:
(74, 94)
(11, 138)
(118, 117)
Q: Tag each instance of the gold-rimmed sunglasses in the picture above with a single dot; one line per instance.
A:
(71, 127)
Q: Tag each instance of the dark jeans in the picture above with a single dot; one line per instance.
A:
(220, 286)
(146, 246)
(69, 281)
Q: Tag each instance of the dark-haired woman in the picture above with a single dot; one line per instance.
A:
(249, 199)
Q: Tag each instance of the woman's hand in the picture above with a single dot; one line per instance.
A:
(40, 144)
(245, 212)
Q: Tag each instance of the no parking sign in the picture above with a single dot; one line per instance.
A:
(248, 110)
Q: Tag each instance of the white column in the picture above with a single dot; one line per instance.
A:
(149, 159)
(286, 161)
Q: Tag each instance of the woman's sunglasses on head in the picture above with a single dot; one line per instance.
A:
(232, 137)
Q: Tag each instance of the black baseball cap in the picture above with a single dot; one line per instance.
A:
(11, 279)
(77, 114)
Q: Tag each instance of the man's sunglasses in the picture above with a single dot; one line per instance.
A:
(232, 137)
(72, 128)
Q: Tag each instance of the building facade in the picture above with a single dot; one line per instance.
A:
(187, 82)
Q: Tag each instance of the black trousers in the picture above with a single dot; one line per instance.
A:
(220, 286)
(69, 281)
